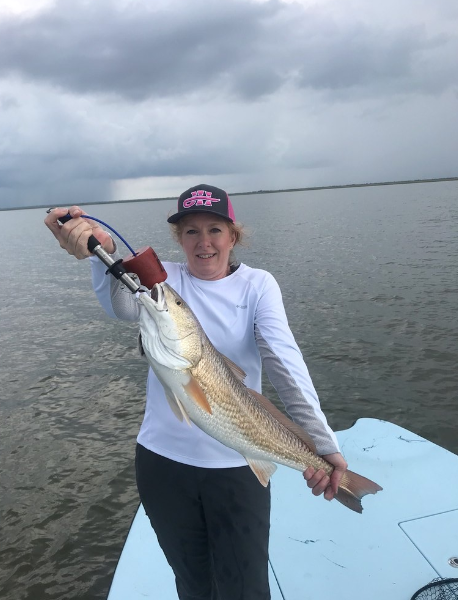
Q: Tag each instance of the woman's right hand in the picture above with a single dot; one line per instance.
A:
(73, 235)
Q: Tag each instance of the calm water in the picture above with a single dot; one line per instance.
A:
(370, 284)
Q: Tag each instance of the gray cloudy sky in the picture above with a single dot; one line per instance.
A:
(111, 99)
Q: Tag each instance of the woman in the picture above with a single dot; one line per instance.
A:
(209, 512)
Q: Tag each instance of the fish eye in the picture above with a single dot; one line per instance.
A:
(178, 303)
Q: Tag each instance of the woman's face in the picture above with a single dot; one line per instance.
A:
(207, 241)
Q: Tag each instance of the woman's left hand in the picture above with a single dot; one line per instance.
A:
(320, 482)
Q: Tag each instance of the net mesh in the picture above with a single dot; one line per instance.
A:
(438, 589)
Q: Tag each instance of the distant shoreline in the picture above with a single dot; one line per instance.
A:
(302, 189)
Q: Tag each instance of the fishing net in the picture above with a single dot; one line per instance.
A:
(438, 589)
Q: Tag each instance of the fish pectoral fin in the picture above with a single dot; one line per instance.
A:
(263, 469)
(236, 370)
(177, 407)
(284, 420)
(196, 393)
(140, 346)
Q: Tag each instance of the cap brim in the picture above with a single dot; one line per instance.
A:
(179, 215)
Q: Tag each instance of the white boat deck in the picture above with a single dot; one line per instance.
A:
(404, 538)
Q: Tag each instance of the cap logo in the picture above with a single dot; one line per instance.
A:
(199, 198)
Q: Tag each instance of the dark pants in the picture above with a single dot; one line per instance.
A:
(212, 524)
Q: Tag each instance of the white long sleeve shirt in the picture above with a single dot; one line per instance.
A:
(244, 318)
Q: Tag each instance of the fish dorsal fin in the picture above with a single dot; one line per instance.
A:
(236, 370)
(263, 469)
(196, 393)
(177, 407)
(284, 420)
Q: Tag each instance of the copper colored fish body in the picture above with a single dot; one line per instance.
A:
(204, 387)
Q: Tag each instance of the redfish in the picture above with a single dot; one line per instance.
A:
(204, 387)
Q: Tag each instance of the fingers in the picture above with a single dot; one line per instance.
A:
(340, 466)
(318, 481)
(329, 494)
(52, 218)
(321, 483)
(333, 487)
(76, 211)
(336, 477)
(96, 230)
(73, 235)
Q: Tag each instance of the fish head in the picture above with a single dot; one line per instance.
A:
(171, 334)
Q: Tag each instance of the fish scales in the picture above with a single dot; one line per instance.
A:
(203, 386)
(252, 429)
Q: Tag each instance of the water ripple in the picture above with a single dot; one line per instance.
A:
(369, 282)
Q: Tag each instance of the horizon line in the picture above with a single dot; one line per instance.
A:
(232, 194)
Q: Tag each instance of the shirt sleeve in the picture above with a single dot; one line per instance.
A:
(286, 369)
(117, 301)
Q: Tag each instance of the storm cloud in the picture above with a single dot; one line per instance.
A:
(241, 48)
(285, 91)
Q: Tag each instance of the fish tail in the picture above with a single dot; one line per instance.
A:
(352, 488)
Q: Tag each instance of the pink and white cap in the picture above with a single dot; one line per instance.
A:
(204, 198)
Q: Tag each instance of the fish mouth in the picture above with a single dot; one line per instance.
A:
(155, 293)
(154, 303)
(156, 297)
